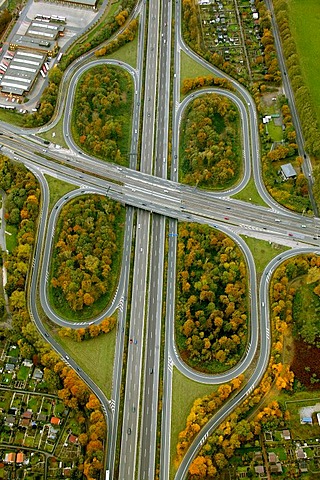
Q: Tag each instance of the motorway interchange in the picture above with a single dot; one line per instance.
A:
(155, 199)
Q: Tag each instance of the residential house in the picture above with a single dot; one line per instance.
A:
(286, 434)
(27, 363)
(272, 457)
(24, 422)
(42, 417)
(300, 454)
(277, 468)
(72, 439)
(52, 433)
(303, 466)
(37, 374)
(27, 414)
(10, 457)
(55, 421)
(259, 470)
(20, 457)
(9, 367)
(10, 420)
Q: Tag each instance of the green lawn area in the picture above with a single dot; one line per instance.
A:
(58, 188)
(95, 357)
(293, 403)
(304, 24)
(11, 237)
(14, 352)
(275, 131)
(184, 393)
(263, 252)
(127, 53)
(189, 68)
(58, 134)
(250, 194)
(23, 373)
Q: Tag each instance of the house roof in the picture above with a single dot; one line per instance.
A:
(42, 417)
(286, 434)
(20, 457)
(300, 453)
(55, 421)
(9, 367)
(37, 374)
(25, 422)
(72, 438)
(273, 458)
(27, 414)
(10, 419)
(276, 468)
(10, 457)
(288, 170)
(259, 469)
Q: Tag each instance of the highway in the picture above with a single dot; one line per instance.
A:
(155, 204)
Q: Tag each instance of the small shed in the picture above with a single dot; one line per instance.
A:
(306, 420)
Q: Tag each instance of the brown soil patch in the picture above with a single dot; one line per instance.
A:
(306, 364)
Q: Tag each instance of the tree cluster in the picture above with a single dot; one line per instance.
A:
(234, 432)
(98, 35)
(236, 429)
(88, 237)
(202, 410)
(23, 194)
(5, 19)
(127, 36)
(48, 100)
(91, 331)
(21, 210)
(210, 143)
(307, 326)
(205, 81)
(211, 315)
(191, 25)
(101, 107)
(307, 114)
(293, 193)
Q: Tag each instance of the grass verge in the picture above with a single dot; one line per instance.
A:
(189, 68)
(127, 53)
(55, 134)
(184, 393)
(58, 188)
(95, 357)
(263, 252)
(250, 194)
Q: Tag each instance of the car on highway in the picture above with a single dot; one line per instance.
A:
(226, 218)
(290, 234)
(135, 342)
(129, 431)
(67, 358)
(131, 341)
(150, 371)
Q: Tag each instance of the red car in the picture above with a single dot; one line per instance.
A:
(290, 234)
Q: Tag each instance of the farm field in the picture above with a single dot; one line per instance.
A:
(304, 22)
